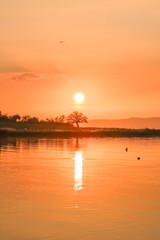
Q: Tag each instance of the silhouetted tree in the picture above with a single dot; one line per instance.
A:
(50, 120)
(33, 120)
(4, 118)
(25, 118)
(77, 118)
(60, 119)
(15, 117)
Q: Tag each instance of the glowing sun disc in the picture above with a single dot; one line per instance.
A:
(79, 97)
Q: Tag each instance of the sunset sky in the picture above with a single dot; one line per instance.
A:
(110, 53)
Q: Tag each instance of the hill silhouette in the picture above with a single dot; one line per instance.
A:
(135, 123)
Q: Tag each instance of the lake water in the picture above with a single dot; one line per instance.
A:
(79, 189)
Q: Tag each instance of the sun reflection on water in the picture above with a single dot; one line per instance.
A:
(78, 168)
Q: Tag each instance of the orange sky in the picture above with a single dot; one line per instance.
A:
(111, 53)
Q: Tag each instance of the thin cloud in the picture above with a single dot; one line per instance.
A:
(23, 77)
(29, 76)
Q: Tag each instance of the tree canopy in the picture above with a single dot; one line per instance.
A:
(77, 118)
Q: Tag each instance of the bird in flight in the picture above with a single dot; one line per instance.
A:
(61, 42)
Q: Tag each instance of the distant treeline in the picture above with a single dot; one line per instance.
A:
(28, 122)
(61, 121)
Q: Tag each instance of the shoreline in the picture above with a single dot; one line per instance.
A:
(127, 133)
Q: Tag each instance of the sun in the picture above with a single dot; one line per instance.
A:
(79, 97)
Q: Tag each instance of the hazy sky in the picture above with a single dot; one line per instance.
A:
(111, 53)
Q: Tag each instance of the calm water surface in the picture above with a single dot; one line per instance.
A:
(79, 189)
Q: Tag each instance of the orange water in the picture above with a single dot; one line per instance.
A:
(79, 189)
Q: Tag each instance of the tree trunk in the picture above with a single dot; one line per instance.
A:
(77, 124)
